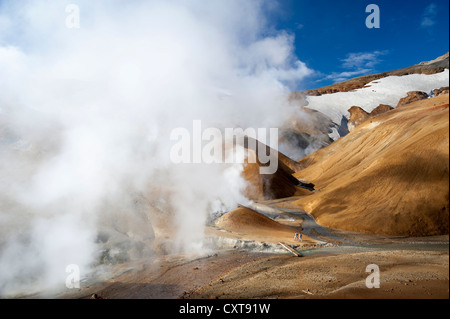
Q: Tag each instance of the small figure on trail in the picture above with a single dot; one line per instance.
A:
(300, 237)
(296, 236)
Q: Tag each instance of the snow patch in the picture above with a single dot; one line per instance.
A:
(388, 90)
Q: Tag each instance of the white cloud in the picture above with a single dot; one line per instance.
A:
(357, 64)
(360, 60)
(429, 16)
(299, 26)
(342, 76)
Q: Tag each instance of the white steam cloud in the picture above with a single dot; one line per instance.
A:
(86, 114)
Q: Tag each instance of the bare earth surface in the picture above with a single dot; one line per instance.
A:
(333, 266)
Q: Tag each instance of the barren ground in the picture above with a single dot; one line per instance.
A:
(409, 268)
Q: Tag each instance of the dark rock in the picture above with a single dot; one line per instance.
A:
(413, 96)
(442, 90)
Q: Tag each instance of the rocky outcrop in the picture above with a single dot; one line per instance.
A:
(280, 184)
(442, 58)
(443, 90)
(358, 115)
(413, 96)
(380, 109)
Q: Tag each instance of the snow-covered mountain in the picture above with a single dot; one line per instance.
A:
(386, 88)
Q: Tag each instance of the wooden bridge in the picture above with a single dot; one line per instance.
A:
(290, 249)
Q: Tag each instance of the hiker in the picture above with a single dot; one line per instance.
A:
(296, 236)
(300, 237)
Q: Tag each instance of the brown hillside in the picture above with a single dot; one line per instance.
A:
(253, 225)
(244, 220)
(389, 176)
(273, 186)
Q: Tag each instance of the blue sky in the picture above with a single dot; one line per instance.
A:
(332, 39)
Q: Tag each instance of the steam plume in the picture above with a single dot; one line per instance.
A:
(86, 114)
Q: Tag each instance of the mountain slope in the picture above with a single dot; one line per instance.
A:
(368, 92)
(245, 221)
(280, 184)
(388, 90)
(389, 176)
(430, 67)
